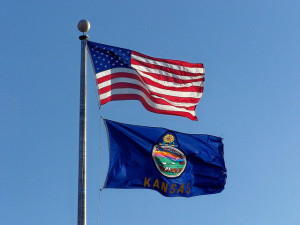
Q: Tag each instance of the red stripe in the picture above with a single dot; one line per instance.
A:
(146, 105)
(155, 100)
(166, 69)
(155, 76)
(172, 79)
(138, 87)
(171, 61)
(197, 89)
(149, 82)
(118, 75)
(177, 99)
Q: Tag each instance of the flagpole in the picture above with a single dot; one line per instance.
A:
(83, 26)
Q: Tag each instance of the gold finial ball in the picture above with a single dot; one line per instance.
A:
(84, 26)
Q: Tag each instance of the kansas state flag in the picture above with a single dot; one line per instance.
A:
(173, 163)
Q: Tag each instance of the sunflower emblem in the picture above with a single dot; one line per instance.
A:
(168, 138)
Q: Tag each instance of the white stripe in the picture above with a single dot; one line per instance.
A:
(122, 80)
(178, 104)
(115, 70)
(171, 84)
(140, 73)
(149, 87)
(164, 73)
(124, 91)
(133, 81)
(168, 65)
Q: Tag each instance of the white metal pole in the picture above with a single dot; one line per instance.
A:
(83, 26)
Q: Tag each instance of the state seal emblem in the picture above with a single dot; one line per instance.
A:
(169, 160)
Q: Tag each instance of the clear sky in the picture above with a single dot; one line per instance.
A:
(251, 52)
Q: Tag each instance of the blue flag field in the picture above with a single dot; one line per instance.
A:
(174, 164)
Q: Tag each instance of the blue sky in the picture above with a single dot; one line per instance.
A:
(250, 50)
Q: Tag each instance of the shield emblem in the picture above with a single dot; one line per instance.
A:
(169, 160)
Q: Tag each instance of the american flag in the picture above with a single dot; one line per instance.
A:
(163, 86)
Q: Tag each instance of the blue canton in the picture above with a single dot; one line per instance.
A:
(107, 57)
